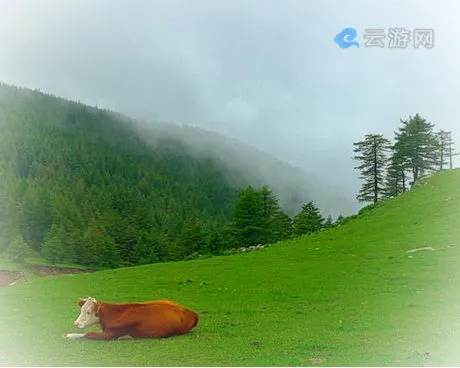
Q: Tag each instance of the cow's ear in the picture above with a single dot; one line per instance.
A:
(81, 302)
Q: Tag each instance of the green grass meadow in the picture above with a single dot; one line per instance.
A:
(350, 296)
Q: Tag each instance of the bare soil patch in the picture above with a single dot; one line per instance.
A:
(47, 270)
(10, 277)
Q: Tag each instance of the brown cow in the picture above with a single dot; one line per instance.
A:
(152, 319)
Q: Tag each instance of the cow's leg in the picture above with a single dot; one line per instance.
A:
(92, 336)
(73, 336)
(101, 335)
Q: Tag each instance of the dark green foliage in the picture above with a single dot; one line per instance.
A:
(248, 218)
(214, 243)
(328, 223)
(416, 145)
(79, 185)
(223, 238)
(57, 246)
(192, 240)
(372, 154)
(308, 221)
(417, 151)
(339, 220)
(281, 225)
(258, 218)
(18, 250)
(276, 222)
(98, 248)
(396, 177)
(7, 221)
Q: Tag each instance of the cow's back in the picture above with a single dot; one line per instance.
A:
(161, 318)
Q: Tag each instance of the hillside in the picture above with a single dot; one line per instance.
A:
(292, 185)
(92, 187)
(83, 178)
(348, 296)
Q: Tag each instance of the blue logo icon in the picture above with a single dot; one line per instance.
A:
(345, 38)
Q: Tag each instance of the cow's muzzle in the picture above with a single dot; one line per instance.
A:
(76, 324)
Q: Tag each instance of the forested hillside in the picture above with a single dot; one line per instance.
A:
(292, 185)
(75, 175)
(84, 185)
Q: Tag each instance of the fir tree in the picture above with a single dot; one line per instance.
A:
(248, 218)
(372, 154)
(415, 144)
(276, 223)
(55, 248)
(396, 177)
(18, 250)
(443, 139)
(308, 220)
(328, 223)
(450, 150)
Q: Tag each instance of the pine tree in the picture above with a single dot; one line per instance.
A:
(396, 177)
(416, 144)
(226, 237)
(275, 221)
(443, 148)
(52, 249)
(372, 153)
(450, 149)
(214, 244)
(191, 241)
(35, 213)
(339, 220)
(281, 226)
(248, 218)
(18, 250)
(98, 248)
(147, 248)
(328, 223)
(308, 220)
(7, 225)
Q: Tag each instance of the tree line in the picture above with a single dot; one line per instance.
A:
(79, 186)
(389, 168)
(256, 219)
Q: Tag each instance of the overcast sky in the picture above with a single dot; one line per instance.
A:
(266, 72)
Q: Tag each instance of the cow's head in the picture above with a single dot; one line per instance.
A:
(88, 313)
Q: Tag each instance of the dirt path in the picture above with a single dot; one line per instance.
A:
(9, 278)
(47, 270)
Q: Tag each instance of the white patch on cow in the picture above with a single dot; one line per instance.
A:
(73, 336)
(88, 314)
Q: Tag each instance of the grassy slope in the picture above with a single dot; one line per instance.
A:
(36, 260)
(351, 296)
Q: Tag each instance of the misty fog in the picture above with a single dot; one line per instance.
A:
(266, 73)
